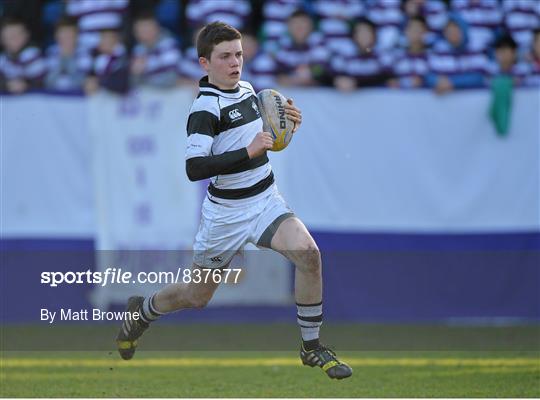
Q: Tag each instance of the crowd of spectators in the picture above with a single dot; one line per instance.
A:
(349, 44)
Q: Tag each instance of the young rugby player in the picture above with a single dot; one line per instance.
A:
(226, 144)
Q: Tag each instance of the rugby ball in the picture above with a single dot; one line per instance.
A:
(272, 108)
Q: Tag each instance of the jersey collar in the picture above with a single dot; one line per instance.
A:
(203, 83)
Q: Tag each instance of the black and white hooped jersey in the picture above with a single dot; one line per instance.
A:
(227, 120)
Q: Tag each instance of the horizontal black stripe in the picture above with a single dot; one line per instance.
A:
(203, 122)
(309, 305)
(317, 318)
(204, 82)
(242, 193)
(207, 94)
(151, 307)
(146, 317)
(212, 201)
(309, 327)
(236, 96)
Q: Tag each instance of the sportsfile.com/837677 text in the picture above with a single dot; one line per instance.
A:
(117, 276)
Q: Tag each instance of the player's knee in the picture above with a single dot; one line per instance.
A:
(309, 256)
(200, 301)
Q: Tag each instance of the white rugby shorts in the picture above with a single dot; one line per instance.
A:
(228, 225)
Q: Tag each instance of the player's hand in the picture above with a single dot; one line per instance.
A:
(294, 114)
(261, 142)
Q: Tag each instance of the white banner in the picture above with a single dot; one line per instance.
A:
(391, 161)
(144, 199)
(373, 160)
(45, 156)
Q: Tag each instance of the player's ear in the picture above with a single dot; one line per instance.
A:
(203, 61)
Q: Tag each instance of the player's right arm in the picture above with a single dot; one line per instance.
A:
(202, 127)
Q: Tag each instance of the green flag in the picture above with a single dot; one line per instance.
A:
(501, 103)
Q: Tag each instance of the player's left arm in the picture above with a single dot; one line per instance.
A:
(294, 114)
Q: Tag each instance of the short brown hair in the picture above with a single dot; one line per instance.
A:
(66, 22)
(9, 21)
(145, 15)
(213, 34)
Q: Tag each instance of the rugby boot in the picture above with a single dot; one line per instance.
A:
(131, 329)
(327, 360)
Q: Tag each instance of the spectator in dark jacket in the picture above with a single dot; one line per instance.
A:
(110, 66)
(506, 61)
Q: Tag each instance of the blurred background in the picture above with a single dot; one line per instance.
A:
(417, 168)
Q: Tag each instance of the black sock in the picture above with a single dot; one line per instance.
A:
(311, 344)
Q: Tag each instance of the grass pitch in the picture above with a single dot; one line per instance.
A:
(268, 374)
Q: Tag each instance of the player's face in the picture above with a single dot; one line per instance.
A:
(225, 64)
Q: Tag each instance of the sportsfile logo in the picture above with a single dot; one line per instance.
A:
(235, 115)
(114, 275)
(281, 112)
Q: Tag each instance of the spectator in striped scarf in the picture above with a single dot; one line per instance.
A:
(387, 16)
(95, 16)
(453, 64)
(483, 17)
(259, 66)
(334, 20)
(67, 65)
(521, 18)
(301, 55)
(275, 16)
(360, 64)
(22, 66)
(155, 55)
(433, 11)
(236, 13)
(410, 63)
